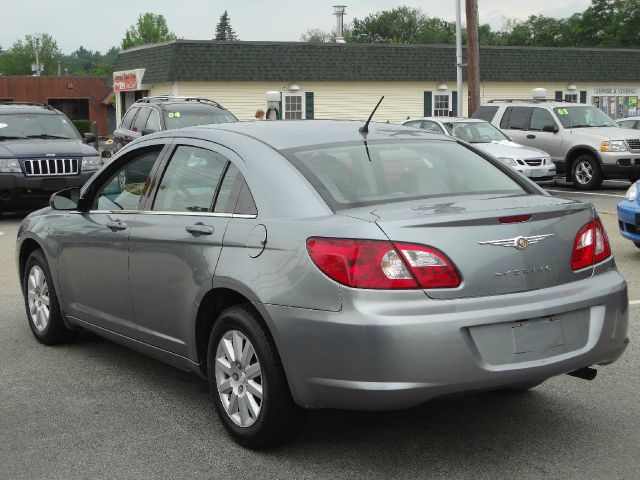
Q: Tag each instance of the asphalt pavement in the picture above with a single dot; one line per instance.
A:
(94, 409)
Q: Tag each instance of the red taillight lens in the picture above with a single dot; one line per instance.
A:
(591, 246)
(381, 265)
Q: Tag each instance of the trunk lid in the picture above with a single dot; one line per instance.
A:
(467, 229)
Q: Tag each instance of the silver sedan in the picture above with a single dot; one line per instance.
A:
(301, 265)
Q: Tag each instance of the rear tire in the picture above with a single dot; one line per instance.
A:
(637, 244)
(586, 173)
(247, 382)
(41, 302)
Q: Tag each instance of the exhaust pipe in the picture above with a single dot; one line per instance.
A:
(586, 373)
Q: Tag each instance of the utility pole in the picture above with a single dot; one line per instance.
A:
(473, 55)
(459, 110)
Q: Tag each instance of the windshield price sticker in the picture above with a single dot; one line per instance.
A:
(173, 114)
(562, 111)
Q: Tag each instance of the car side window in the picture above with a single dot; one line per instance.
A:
(234, 195)
(432, 127)
(128, 118)
(153, 122)
(519, 118)
(485, 112)
(190, 180)
(541, 117)
(141, 120)
(126, 187)
(413, 124)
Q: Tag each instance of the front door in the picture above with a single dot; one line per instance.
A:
(93, 264)
(175, 244)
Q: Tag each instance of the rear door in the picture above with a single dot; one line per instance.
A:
(123, 134)
(515, 122)
(176, 242)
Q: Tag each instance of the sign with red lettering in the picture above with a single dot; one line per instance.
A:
(128, 80)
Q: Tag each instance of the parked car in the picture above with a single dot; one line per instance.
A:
(40, 152)
(629, 214)
(529, 161)
(633, 122)
(155, 114)
(585, 144)
(309, 264)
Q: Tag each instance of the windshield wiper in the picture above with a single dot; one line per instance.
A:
(580, 126)
(46, 135)
(10, 137)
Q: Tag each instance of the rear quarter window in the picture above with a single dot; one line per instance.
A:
(485, 112)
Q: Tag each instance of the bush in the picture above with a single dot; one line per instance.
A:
(83, 126)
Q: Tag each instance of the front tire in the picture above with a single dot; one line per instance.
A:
(586, 173)
(41, 302)
(247, 382)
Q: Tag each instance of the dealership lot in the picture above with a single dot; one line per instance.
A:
(93, 409)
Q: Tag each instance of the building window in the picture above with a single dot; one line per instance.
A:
(571, 97)
(441, 105)
(293, 107)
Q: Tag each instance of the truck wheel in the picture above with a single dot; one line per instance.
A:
(586, 173)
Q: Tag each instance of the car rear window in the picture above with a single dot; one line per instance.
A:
(485, 112)
(355, 174)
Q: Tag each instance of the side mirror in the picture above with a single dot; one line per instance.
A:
(89, 138)
(147, 131)
(66, 199)
(551, 128)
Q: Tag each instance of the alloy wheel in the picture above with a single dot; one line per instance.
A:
(584, 172)
(38, 298)
(239, 378)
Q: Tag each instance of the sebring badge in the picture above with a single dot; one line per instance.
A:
(519, 243)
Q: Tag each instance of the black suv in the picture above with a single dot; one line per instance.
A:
(41, 152)
(153, 114)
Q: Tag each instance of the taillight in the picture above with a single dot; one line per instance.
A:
(591, 246)
(381, 264)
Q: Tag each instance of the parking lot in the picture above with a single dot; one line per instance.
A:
(94, 409)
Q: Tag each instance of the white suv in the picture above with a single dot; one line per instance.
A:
(585, 144)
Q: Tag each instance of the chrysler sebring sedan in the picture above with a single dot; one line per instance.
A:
(310, 264)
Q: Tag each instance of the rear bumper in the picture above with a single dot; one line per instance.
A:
(18, 190)
(391, 350)
(629, 220)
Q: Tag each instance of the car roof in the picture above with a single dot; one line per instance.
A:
(448, 119)
(532, 102)
(17, 107)
(287, 134)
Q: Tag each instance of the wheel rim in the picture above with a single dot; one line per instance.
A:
(584, 172)
(239, 378)
(38, 298)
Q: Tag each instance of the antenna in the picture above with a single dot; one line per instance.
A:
(365, 127)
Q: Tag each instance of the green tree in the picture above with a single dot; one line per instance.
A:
(150, 28)
(317, 35)
(21, 55)
(224, 30)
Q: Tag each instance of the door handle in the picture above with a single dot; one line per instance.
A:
(531, 135)
(199, 229)
(117, 225)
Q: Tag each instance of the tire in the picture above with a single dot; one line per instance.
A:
(41, 302)
(586, 173)
(637, 244)
(268, 421)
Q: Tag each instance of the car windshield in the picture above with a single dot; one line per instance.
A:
(583, 117)
(180, 115)
(36, 125)
(475, 132)
(357, 174)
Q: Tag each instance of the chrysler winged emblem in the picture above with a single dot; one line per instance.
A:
(519, 243)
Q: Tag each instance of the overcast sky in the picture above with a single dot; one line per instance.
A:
(100, 25)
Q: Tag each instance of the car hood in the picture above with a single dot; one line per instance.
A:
(508, 149)
(35, 147)
(608, 133)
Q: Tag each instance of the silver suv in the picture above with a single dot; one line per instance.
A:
(585, 144)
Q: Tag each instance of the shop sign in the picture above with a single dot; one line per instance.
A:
(128, 80)
(615, 91)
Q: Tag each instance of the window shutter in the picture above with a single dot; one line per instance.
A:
(454, 104)
(427, 104)
(559, 95)
(308, 105)
(583, 96)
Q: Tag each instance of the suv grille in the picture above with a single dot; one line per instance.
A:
(534, 162)
(634, 144)
(51, 166)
